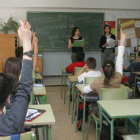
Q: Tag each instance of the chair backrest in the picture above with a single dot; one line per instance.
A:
(32, 100)
(24, 136)
(114, 93)
(77, 69)
(88, 80)
(132, 75)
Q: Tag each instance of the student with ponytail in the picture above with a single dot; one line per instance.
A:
(112, 77)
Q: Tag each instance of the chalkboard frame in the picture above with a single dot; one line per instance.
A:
(68, 50)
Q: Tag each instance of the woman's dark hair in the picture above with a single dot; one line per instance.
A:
(108, 27)
(12, 67)
(74, 30)
(108, 68)
(6, 88)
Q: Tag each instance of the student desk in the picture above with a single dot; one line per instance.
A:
(136, 74)
(39, 91)
(131, 137)
(80, 87)
(73, 80)
(64, 73)
(38, 77)
(46, 119)
(118, 109)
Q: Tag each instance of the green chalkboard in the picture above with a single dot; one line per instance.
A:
(54, 29)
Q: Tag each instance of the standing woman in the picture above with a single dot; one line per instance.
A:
(107, 52)
(75, 37)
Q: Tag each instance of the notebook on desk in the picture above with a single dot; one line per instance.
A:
(33, 113)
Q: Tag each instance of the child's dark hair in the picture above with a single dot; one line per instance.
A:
(12, 67)
(108, 68)
(108, 27)
(74, 30)
(80, 56)
(19, 51)
(6, 88)
(91, 62)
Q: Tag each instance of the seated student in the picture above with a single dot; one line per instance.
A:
(112, 77)
(12, 67)
(12, 122)
(80, 58)
(90, 66)
(129, 68)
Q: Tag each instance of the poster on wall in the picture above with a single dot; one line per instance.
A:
(126, 53)
(112, 25)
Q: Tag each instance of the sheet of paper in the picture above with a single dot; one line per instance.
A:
(125, 44)
(111, 43)
(130, 33)
(127, 24)
(78, 43)
(134, 42)
(137, 23)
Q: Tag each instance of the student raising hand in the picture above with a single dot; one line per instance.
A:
(25, 36)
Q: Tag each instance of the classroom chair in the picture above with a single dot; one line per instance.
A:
(108, 94)
(72, 85)
(24, 136)
(87, 80)
(77, 69)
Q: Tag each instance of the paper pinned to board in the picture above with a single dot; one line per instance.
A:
(137, 24)
(128, 24)
(134, 42)
(130, 33)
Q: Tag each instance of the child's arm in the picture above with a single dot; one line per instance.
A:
(119, 61)
(35, 46)
(81, 71)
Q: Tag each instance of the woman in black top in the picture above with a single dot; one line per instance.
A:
(75, 50)
(107, 52)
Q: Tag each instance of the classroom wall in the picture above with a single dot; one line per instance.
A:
(52, 61)
(106, 4)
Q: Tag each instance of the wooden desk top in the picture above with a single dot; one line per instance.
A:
(131, 137)
(80, 87)
(121, 108)
(73, 78)
(138, 73)
(39, 91)
(38, 76)
(47, 118)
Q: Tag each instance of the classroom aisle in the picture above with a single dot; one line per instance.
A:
(63, 129)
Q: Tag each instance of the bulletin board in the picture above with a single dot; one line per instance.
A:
(137, 29)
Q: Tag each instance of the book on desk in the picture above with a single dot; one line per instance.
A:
(33, 113)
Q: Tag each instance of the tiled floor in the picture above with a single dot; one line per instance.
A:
(63, 129)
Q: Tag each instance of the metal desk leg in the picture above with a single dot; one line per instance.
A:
(73, 84)
(77, 111)
(62, 85)
(112, 129)
(135, 86)
(100, 118)
(69, 98)
(48, 132)
(84, 110)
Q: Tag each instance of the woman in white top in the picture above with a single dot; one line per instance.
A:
(108, 49)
